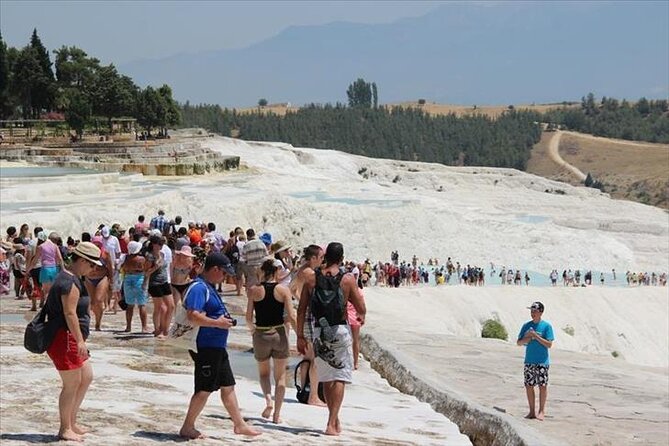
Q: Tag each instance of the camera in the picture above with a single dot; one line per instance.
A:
(234, 321)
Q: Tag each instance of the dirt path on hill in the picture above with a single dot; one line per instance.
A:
(553, 152)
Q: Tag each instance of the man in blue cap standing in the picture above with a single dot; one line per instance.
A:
(537, 337)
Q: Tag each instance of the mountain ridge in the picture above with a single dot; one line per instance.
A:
(457, 53)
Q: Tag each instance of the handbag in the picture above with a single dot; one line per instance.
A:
(182, 330)
(40, 332)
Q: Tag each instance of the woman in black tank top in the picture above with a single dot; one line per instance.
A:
(268, 301)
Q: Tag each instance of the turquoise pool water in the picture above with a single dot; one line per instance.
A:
(323, 197)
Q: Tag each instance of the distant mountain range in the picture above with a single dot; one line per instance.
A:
(458, 53)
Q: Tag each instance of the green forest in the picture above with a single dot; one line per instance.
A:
(645, 120)
(77, 87)
(363, 128)
(400, 133)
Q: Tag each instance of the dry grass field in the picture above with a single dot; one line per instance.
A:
(629, 170)
(489, 110)
(431, 108)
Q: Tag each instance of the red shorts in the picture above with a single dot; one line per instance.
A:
(63, 351)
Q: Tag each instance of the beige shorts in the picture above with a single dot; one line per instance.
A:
(272, 343)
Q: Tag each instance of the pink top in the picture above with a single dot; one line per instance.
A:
(49, 253)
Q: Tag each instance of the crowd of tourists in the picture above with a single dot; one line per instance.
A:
(179, 265)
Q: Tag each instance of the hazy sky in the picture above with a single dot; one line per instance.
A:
(122, 31)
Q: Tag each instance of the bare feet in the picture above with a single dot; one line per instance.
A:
(246, 430)
(317, 402)
(127, 330)
(331, 430)
(191, 434)
(530, 416)
(79, 429)
(267, 412)
(69, 435)
(540, 416)
(338, 426)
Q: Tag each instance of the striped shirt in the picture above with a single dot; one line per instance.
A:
(159, 222)
(254, 252)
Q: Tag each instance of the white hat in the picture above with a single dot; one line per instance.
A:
(105, 231)
(134, 247)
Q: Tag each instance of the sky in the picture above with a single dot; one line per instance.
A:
(122, 31)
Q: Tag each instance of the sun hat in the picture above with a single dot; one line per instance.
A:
(88, 251)
(266, 238)
(105, 231)
(536, 306)
(134, 247)
(220, 260)
(185, 251)
(155, 232)
(280, 246)
(41, 236)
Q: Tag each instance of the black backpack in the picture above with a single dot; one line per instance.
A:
(304, 390)
(328, 299)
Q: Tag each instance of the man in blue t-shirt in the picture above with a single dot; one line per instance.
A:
(537, 337)
(212, 368)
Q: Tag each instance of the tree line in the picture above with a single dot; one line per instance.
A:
(78, 86)
(645, 120)
(383, 132)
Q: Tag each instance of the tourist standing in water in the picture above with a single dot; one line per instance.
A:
(98, 281)
(68, 350)
(268, 301)
(537, 337)
(212, 366)
(181, 269)
(159, 287)
(327, 290)
(133, 286)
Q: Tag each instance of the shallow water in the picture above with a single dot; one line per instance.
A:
(323, 197)
(21, 172)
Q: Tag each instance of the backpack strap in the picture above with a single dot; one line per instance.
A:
(195, 282)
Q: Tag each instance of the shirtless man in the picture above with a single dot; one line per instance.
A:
(332, 335)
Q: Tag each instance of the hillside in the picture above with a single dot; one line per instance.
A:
(633, 171)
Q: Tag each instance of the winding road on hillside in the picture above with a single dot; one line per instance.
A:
(554, 153)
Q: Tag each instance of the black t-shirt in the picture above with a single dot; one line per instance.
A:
(54, 303)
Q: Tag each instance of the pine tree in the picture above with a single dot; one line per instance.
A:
(5, 108)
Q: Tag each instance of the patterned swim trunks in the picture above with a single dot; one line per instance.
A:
(536, 375)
